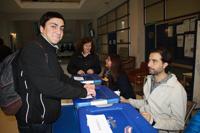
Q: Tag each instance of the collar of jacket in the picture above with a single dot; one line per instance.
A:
(45, 43)
(170, 82)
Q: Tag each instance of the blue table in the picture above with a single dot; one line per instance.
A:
(122, 115)
(68, 121)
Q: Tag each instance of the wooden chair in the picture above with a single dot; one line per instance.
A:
(137, 77)
(128, 64)
(190, 107)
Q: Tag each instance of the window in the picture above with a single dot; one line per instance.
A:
(116, 20)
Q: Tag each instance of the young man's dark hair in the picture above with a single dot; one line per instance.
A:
(48, 16)
(165, 56)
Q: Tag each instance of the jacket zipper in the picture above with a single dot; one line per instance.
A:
(27, 98)
(44, 110)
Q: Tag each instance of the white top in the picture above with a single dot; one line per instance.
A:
(166, 104)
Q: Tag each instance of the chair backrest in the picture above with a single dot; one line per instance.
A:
(144, 70)
(190, 107)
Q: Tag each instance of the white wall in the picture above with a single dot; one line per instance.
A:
(196, 92)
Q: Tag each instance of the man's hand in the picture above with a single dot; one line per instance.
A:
(80, 72)
(123, 100)
(90, 89)
(147, 116)
(90, 71)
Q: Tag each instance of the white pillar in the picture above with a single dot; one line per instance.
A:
(137, 34)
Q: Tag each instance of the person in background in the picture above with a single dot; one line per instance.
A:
(116, 78)
(42, 82)
(4, 50)
(84, 61)
(165, 99)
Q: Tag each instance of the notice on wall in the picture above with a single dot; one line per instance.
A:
(189, 45)
(179, 29)
(192, 24)
(180, 41)
(170, 31)
(186, 25)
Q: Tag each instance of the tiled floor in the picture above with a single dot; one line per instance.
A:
(7, 124)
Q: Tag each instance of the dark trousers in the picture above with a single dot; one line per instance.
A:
(34, 128)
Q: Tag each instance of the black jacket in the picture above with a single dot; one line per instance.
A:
(43, 83)
(79, 62)
(122, 84)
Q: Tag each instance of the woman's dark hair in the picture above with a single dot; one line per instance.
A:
(165, 56)
(48, 15)
(80, 44)
(116, 67)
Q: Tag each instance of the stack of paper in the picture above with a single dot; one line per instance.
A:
(78, 78)
(98, 124)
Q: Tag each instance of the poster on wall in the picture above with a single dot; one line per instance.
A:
(170, 31)
(189, 45)
(192, 24)
(180, 40)
(196, 89)
(186, 25)
(179, 29)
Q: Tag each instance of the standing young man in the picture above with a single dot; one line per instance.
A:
(164, 103)
(42, 82)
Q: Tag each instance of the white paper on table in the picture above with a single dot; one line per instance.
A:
(78, 78)
(88, 82)
(87, 97)
(99, 102)
(98, 124)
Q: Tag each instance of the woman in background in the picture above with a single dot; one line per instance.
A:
(116, 78)
(84, 61)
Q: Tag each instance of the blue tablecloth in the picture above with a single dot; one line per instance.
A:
(119, 115)
(68, 121)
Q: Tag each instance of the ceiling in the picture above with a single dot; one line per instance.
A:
(51, 0)
(67, 7)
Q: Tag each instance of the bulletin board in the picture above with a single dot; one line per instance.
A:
(179, 38)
